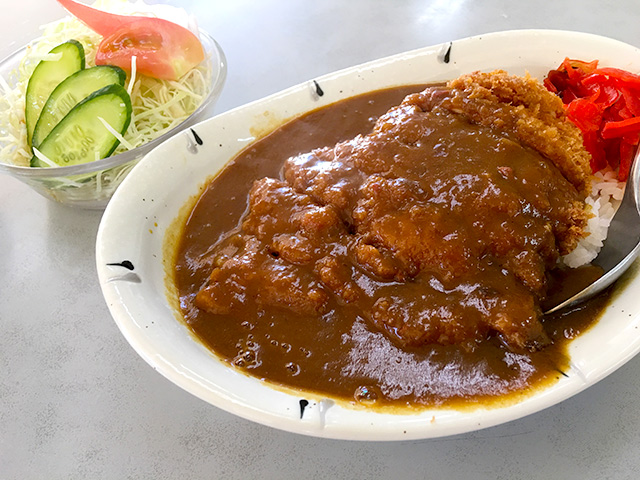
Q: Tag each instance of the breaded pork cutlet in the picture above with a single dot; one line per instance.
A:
(438, 227)
(522, 106)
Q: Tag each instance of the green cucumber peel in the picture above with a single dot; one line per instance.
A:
(47, 76)
(80, 137)
(72, 91)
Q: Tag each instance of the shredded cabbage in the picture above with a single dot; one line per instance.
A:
(157, 105)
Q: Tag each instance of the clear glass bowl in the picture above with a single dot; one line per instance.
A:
(92, 184)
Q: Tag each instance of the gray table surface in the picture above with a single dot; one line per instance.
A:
(77, 402)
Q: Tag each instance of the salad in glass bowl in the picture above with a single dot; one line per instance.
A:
(80, 105)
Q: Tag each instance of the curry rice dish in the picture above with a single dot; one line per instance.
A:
(407, 262)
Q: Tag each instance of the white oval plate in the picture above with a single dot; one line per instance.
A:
(151, 197)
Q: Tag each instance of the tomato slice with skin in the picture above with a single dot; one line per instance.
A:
(163, 49)
(97, 20)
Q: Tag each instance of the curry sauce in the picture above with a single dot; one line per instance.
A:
(335, 347)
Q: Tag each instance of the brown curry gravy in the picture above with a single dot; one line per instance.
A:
(341, 356)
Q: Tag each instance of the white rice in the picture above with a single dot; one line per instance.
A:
(606, 195)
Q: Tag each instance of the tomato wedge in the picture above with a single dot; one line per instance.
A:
(163, 49)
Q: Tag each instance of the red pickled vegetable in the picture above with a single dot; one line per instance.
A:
(630, 79)
(604, 103)
(626, 158)
(621, 128)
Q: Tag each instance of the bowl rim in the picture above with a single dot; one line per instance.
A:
(219, 74)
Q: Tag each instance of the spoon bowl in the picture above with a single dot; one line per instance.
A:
(622, 245)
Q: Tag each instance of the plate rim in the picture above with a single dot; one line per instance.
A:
(489, 417)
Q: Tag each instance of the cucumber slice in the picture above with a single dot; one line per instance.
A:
(79, 136)
(46, 76)
(70, 92)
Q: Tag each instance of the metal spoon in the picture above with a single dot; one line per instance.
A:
(622, 245)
